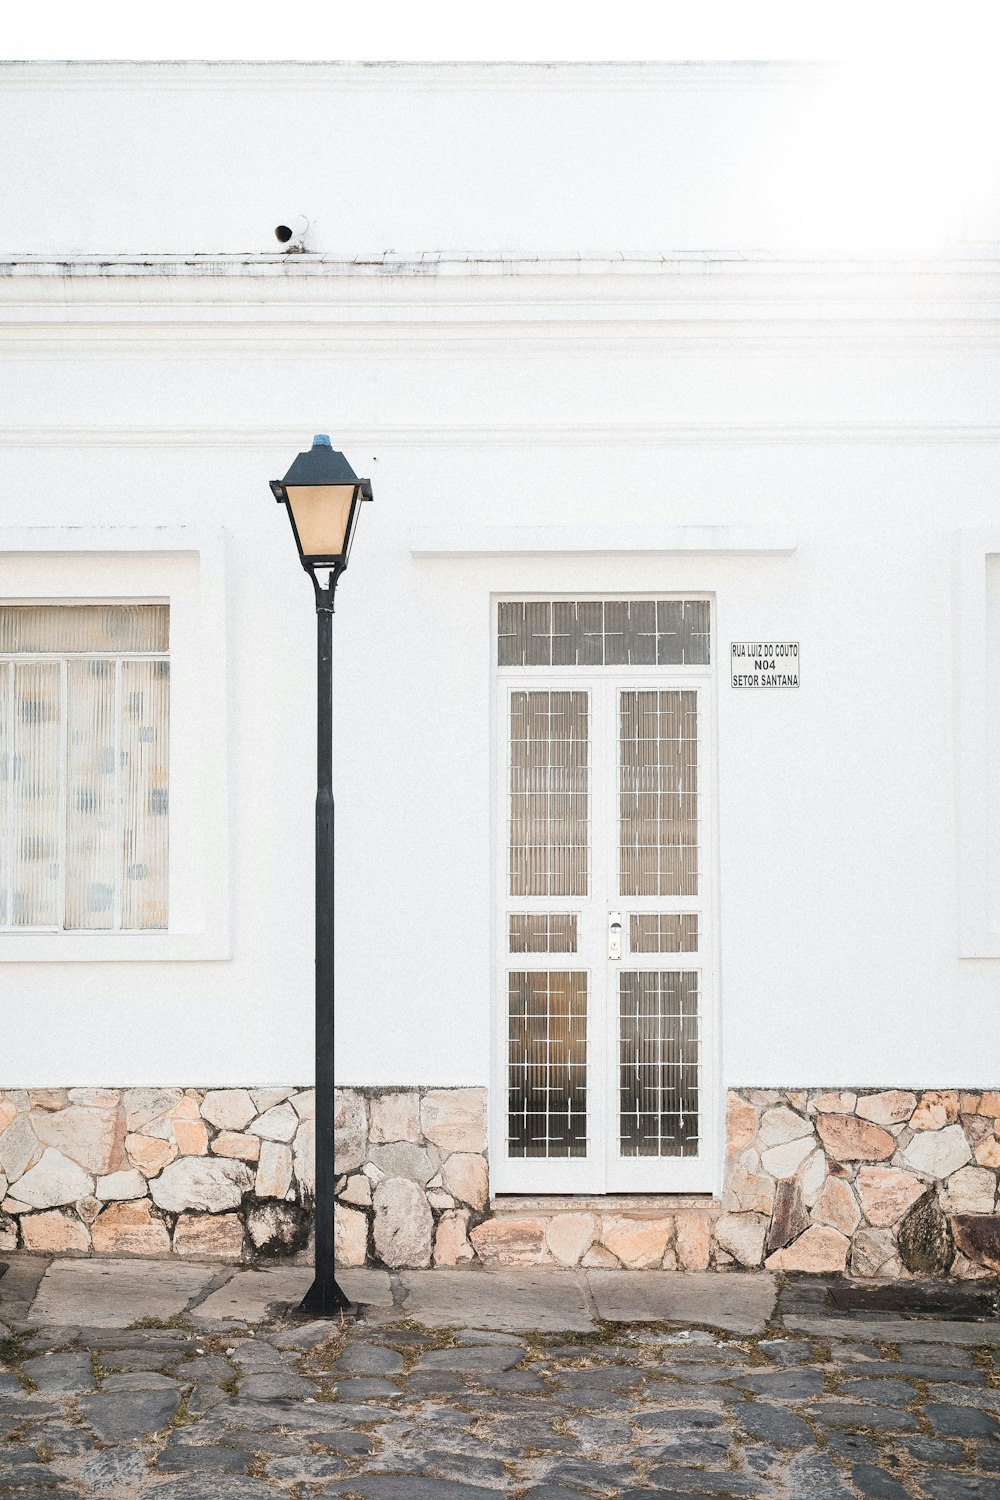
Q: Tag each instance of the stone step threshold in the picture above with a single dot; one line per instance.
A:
(627, 1205)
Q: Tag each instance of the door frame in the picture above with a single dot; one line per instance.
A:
(569, 1177)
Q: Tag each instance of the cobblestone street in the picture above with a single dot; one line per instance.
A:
(202, 1407)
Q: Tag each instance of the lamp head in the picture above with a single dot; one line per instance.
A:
(323, 496)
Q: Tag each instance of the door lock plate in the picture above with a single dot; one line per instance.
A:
(614, 934)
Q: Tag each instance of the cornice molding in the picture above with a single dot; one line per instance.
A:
(500, 435)
(436, 77)
(310, 296)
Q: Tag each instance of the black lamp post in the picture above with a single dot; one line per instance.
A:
(323, 496)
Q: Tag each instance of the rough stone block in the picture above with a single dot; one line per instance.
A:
(395, 1117)
(638, 1243)
(924, 1238)
(935, 1110)
(143, 1106)
(465, 1176)
(885, 1193)
(274, 1170)
(820, 1248)
(130, 1229)
(93, 1138)
(785, 1160)
(837, 1207)
(191, 1137)
(568, 1237)
(149, 1154)
(741, 1124)
(277, 1124)
(870, 1251)
(693, 1241)
(847, 1138)
(978, 1238)
(19, 1148)
(279, 1229)
(938, 1153)
(510, 1242)
(780, 1125)
(55, 1180)
(970, 1190)
(742, 1236)
(350, 1125)
(201, 1182)
(56, 1232)
(842, 1103)
(455, 1119)
(350, 1237)
(405, 1159)
(358, 1191)
(789, 1218)
(451, 1240)
(228, 1109)
(127, 1184)
(304, 1158)
(209, 1236)
(403, 1223)
(747, 1189)
(236, 1144)
(891, 1107)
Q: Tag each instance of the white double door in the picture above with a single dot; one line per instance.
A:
(604, 1042)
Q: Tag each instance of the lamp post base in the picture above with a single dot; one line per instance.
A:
(325, 1299)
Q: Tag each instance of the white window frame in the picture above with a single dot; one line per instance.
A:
(576, 1176)
(185, 569)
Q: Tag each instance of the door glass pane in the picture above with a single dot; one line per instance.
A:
(604, 633)
(663, 932)
(547, 1064)
(659, 1063)
(658, 793)
(549, 807)
(541, 932)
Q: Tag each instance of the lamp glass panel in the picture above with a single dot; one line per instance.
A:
(321, 513)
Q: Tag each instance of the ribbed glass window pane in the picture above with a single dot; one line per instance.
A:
(549, 807)
(68, 629)
(90, 794)
(37, 765)
(547, 1064)
(145, 688)
(659, 1063)
(658, 793)
(6, 770)
(604, 633)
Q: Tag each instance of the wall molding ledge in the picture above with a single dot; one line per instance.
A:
(526, 541)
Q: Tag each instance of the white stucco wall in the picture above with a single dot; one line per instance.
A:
(850, 408)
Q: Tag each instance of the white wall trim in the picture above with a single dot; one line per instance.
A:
(362, 77)
(976, 752)
(511, 541)
(199, 749)
(501, 434)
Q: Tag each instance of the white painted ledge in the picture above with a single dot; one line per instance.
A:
(526, 541)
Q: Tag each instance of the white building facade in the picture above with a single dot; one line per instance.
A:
(666, 731)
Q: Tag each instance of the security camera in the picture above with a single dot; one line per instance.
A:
(293, 233)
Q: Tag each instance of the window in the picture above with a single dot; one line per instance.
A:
(84, 748)
(114, 690)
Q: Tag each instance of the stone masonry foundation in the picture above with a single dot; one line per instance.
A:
(885, 1183)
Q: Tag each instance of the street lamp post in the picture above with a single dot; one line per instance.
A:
(323, 497)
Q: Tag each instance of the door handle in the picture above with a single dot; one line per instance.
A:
(614, 934)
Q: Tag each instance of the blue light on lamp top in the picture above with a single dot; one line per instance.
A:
(323, 495)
